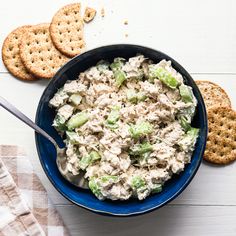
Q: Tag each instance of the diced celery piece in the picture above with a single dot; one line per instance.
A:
(134, 97)
(94, 156)
(117, 63)
(140, 129)
(95, 188)
(184, 123)
(72, 136)
(157, 188)
(111, 126)
(87, 160)
(151, 73)
(189, 139)
(84, 162)
(77, 120)
(141, 96)
(186, 93)
(107, 178)
(137, 182)
(75, 99)
(131, 95)
(166, 77)
(142, 160)
(59, 123)
(142, 148)
(114, 116)
(120, 77)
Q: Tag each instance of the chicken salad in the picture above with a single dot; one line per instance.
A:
(127, 126)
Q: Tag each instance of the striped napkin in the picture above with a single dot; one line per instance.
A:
(24, 205)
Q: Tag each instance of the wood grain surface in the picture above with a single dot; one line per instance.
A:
(200, 35)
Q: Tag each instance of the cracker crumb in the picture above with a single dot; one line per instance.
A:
(125, 22)
(103, 12)
(89, 14)
(126, 35)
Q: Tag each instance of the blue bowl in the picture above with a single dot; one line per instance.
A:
(85, 198)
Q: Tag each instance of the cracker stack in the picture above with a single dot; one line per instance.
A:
(221, 141)
(32, 52)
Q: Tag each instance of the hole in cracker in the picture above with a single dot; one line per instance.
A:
(60, 32)
(39, 51)
(66, 13)
(58, 23)
(72, 48)
(70, 40)
(16, 65)
(75, 12)
(35, 33)
(32, 61)
(49, 49)
(30, 51)
(37, 41)
(60, 57)
(10, 48)
(50, 58)
(47, 40)
(68, 22)
(28, 44)
(41, 59)
(60, 41)
(14, 56)
(68, 31)
(44, 68)
(76, 21)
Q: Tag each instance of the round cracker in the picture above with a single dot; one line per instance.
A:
(66, 30)
(38, 53)
(221, 141)
(11, 54)
(213, 94)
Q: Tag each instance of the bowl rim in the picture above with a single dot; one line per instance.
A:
(201, 152)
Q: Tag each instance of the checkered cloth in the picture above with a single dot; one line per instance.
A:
(24, 205)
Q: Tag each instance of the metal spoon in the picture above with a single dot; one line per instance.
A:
(77, 180)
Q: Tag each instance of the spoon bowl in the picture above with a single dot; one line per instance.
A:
(77, 180)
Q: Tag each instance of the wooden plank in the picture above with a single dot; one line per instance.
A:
(169, 220)
(199, 34)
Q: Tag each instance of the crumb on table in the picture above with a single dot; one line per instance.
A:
(125, 22)
(102, 12)
(89, 14)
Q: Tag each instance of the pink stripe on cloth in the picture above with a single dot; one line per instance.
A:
(28, 194)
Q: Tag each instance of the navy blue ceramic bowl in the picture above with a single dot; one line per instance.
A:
(47, 154)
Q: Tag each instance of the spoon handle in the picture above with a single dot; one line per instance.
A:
(13, 110)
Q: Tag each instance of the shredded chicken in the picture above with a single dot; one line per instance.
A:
(127, 125)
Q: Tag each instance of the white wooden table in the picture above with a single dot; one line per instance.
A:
(201, 35)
